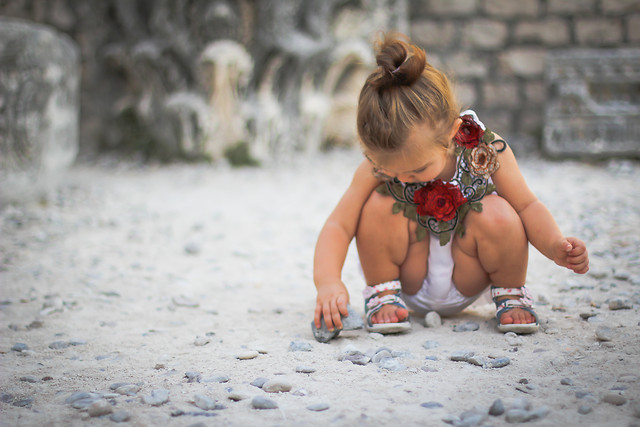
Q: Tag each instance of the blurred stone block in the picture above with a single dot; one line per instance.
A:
(593, 105)
(39, 107)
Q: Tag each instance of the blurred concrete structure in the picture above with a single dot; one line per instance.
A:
(146, 88)
(39, 105)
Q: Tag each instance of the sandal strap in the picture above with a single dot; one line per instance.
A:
(524, 300)
(371, 291)
(375, 303)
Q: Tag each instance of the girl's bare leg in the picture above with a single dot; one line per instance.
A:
(389, 250)
(493, 251)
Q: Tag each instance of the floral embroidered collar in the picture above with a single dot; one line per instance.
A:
(440, 206)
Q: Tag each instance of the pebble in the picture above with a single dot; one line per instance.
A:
(614, 399)
(237, 397)
(259, 382)
(620, 304)
(201, 341)
(6, 397)
(183, 301)
(429, 345)
(247, 355)
(513, 339)
(120, 416)
(431, 405)
(58, 345)
(392, 364)
(276, 386)
(318, 407)
(29, 379)
(432, 320)
(158, 397)
(584, 409)
(497, 408)
(19, 347)
(23, 403)
(461, 355)
(193, 377)
(604, 333)
(384, 354)
(218, 379)
(566, 381)
(99, 408)
(305, 369)
(128, 389)
(473, 417)
(260, 402)
(192, 248)
(466, 327)
(206, 403)
(300, 346)
(516, 415)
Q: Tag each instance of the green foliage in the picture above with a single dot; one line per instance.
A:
(239, 155)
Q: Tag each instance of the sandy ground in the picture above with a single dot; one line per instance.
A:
(160, 277)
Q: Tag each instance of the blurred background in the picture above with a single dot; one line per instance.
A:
(251, 81)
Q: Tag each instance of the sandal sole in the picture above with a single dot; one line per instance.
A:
(389, 328)
(526, 328)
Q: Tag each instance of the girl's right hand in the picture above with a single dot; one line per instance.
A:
(331, 303)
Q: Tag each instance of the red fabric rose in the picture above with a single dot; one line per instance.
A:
(470, 132)
(439, 199)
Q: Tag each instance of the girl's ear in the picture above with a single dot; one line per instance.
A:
(454, 129)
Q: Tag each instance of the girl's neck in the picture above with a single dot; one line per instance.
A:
(449, 170)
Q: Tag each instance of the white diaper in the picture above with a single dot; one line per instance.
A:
(438, 293)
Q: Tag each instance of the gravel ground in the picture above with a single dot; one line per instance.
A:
(182, 295)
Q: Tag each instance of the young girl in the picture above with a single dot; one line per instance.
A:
(438, 207)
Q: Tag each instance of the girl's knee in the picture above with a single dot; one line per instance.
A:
(497, 215)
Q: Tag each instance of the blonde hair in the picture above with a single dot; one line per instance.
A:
(404, 91)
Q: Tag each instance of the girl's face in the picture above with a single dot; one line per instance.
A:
(420, 160)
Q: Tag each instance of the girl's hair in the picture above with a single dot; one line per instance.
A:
(404, 91)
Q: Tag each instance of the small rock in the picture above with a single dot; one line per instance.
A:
(466, 327)
(218, 379)
(247, 355)
(58, 345)
(474, 417)
(99, 408)
(513, 339)
(237, 396)
(183, 301)
(158, 397)
(614, 399)
(537, 413)
(300, 346)
(201, 341)
(516, 415)
(497, 408)
(276, 386)
(29, 379)
(259, 382)
(478, 360)
(461, 355)
(566, 381)
(620, 304)
(318, 407)
(305, 369)
(120, 416)
(391, 364)
(584, 409)
(260, 402)
(432, 320)
(376, 336)
(430, 345)
(206, 403)
(604, 333)
(19, 347)
(431, 405)
(6, 397)
(23, 403)
(193, 377)
(384, 354)
(192, 248)
(128, 389)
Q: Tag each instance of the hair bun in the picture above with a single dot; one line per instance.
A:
(399, 62)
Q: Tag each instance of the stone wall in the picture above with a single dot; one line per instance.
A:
(497, 49)
(147, 89)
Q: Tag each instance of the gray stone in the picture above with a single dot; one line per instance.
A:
(461, 355)
(193, 377)
(259, 382)
(158, 397)
(349, 323)
(516, 415)
(566, 381)
(19, 347)
(591, 112)
(305, 369)
(614, 399)
(128, 389)
(206, 403)
(604, 333)
(183, 301)
(500, 362)
(429, 345)
(318, 407)
(39, 88)
(58, 345)
(120, 416)
(236, 396)
(537, 413)
(6, 397)
(392, 364)
(384, 354)
(513, 339)
(276, 386)
(584, 409)
(432, 320)
(431, 405)
(620, 304)
(497, 408)
(466, 327)
(99, 408)
(23, 403)
(260, 402)
(300, 346)
(247, 355)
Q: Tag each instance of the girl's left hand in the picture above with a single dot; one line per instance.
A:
(572, 254)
